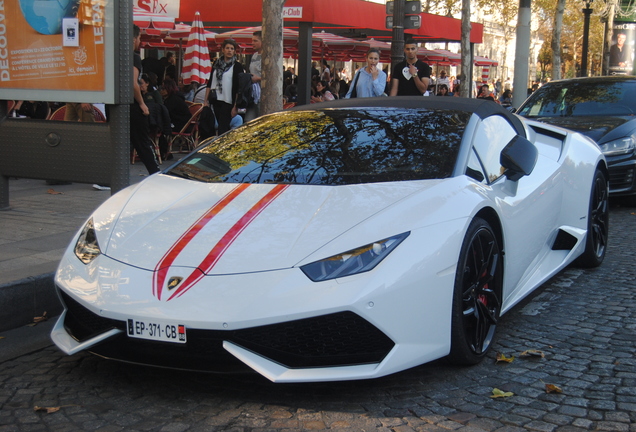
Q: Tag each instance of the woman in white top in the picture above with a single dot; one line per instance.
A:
(370, 80)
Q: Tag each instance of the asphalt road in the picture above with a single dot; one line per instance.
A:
(583, 321)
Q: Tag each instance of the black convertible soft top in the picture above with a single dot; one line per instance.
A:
(480, 107)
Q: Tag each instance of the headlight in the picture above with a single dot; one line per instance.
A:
(87, 248)
(618, 147)
(352, 262)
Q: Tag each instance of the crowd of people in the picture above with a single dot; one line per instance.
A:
(232, 93)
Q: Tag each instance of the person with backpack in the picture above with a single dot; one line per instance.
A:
(369, 81)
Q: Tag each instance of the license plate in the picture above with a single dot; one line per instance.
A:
(157, 330)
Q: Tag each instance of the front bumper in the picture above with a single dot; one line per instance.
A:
(334, 340)
(278, 323)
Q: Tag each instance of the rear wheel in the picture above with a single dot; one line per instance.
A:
(597, 224)
(477, 294)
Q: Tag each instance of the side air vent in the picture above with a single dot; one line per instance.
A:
(564, 241)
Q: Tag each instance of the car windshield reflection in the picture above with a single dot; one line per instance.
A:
(333, 147)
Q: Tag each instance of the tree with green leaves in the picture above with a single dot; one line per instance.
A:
(545, 59)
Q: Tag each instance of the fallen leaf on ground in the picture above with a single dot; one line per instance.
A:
(54, 192)
(532, 353)
(48, 410)
(496, 393)
(39, 319)
(502, 358)
(551, 388)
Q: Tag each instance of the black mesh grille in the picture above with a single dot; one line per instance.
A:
(83, 324)
(338, 339)
(621, 178)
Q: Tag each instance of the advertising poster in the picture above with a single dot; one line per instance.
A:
(52, 45)
(621, 58)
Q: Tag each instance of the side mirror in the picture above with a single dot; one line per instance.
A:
(518, 158)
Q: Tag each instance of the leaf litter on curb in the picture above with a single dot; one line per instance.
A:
(54, 192)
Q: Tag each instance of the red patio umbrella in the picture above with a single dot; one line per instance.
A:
(196, 60)
(484, 61)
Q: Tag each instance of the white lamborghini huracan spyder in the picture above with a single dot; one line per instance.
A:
(342, 240)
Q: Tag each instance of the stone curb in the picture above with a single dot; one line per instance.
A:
(27, 298)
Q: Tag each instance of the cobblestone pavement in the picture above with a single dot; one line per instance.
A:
(583, 321)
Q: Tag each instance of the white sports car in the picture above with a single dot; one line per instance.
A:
(337, 241)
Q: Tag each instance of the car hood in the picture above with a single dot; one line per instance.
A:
(599, 128)
(229, 228)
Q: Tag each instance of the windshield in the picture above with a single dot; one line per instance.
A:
(582, 98)
(333, 147)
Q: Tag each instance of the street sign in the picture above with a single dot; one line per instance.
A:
(410, 7)
(410, 22)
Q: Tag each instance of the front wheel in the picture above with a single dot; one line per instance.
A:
(477, 294)
(597, 224)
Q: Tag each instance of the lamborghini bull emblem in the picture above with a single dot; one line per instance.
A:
(174, 282)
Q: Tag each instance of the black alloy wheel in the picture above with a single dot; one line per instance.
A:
(477, 295)
(597, 225)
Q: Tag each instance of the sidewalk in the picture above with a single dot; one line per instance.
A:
(34, 234)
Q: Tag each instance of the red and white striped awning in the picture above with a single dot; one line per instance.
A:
(196, 60)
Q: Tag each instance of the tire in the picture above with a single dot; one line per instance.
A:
(597, 224)
(477, 295)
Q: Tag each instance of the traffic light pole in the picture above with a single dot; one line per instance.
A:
(397, 39)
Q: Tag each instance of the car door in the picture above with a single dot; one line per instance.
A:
(529, 208)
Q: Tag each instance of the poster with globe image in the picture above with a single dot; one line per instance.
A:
(53, 45)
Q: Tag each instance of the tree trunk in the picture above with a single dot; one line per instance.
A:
(556, 40)
(466, 77)
(272, 66)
